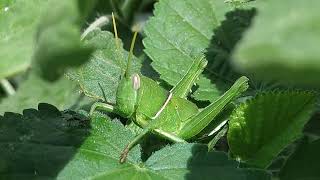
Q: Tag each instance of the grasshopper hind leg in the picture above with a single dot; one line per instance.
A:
(201, 120)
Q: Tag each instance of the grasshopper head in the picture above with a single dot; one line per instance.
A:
(127, 93)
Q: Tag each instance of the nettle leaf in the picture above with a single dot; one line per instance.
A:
(261, 127)
(62, 93)
(304, 163)
(282, 43)
(58, 44)
(18, 22)
(101, 75)
(193, 161)
(181, 30)
(38, 137)
(222, 44)
(81, 149)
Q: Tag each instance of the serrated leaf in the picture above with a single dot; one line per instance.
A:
(303, 164)
(282, 43)
(104, 67)
(222, 45)
(58, 44)
(261, 127)
(63, 94)
(80, 149)
(38, 143)
(18, 22)
(193, 161)
(179, 31)
(30, 141)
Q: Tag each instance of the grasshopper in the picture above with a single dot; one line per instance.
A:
(166, 113)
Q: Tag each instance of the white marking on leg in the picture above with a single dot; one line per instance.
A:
(170, 136)
(164, 105)
(218, 127)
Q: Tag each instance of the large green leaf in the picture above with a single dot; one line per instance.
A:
(58, 44)
(104, 68)
(283, 43)
(18, 22)
(261, 127)
(181, 30)
(49, 144)
(303, 164)
(62, 93)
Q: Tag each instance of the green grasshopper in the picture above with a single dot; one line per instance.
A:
(167, 114)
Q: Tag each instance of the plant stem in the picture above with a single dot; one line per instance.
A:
(8, 88)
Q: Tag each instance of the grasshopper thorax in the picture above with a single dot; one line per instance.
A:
(127, 93)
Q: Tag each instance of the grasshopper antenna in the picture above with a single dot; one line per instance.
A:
(126, 73)
(115, 31)
(131, 53)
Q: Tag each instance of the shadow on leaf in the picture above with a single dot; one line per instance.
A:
(222, 45)
(216, 165)
(39, 143)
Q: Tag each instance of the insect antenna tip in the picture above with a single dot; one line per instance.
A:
(115, 30)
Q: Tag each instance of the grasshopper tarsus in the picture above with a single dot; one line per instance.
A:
(124, 155)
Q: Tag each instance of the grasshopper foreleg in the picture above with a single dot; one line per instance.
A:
(101, 106)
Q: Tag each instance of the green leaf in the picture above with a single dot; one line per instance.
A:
(193, 161)
(222, 45)
(18, 22)
(104, 67)
(5, 3)
(56, 43)
(303, 164)
(58, 38)
(62, 93)
(179, 31)
(81, 149)
(261, 127)
(282, 43)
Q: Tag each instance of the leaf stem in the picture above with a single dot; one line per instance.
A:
(8, 88)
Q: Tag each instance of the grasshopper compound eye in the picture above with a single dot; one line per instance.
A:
(136, 81)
